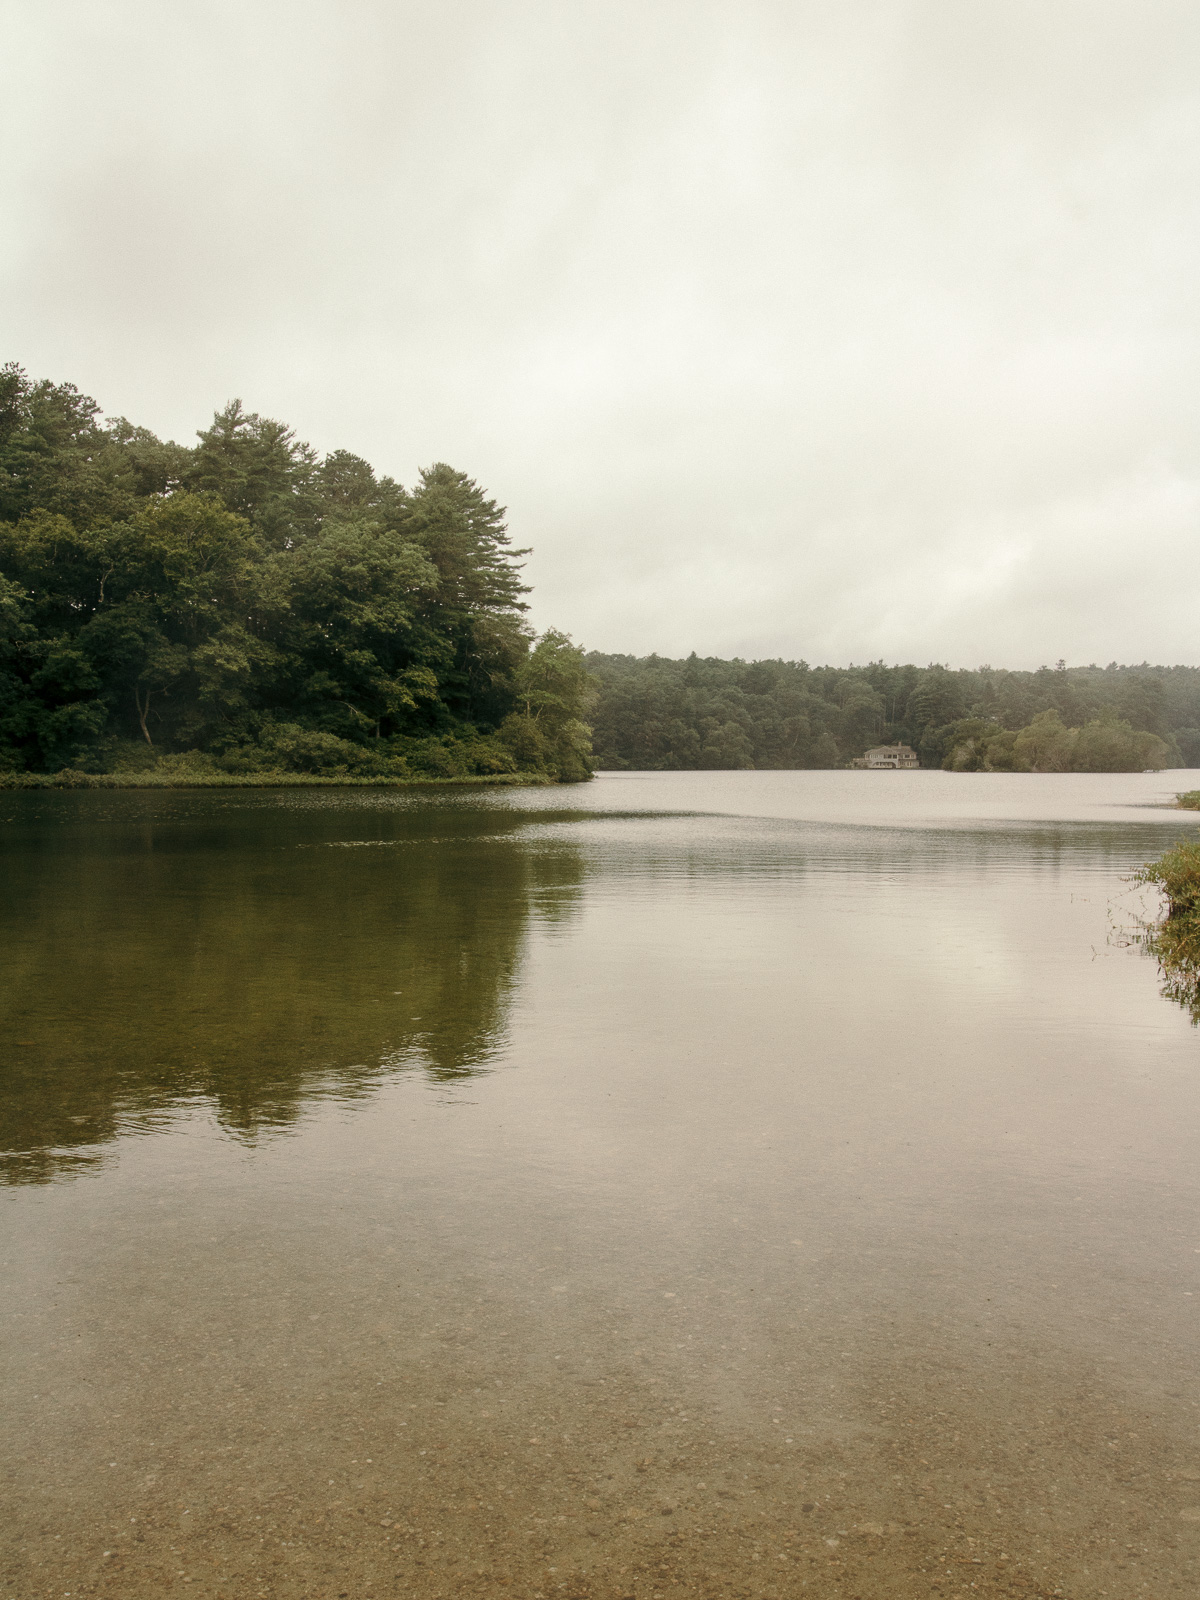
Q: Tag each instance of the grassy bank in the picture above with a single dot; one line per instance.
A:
(70, 779)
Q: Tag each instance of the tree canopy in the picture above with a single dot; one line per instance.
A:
(244, 604)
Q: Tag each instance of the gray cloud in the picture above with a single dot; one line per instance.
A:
(837, 331)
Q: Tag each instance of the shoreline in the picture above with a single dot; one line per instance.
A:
(69, 779)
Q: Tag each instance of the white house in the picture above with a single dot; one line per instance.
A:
(891, 758)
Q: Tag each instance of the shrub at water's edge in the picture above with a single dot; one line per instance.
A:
(245, 607)
(1189, 801)
(1174, 938)
(181, 778)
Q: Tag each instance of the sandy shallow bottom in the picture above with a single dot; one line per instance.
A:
(528, 1487)
(495, 1433)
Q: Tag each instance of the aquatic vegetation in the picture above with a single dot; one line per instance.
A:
(1173, 939)
(1189, 800)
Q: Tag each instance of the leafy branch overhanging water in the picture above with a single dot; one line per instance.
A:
(1173, 938)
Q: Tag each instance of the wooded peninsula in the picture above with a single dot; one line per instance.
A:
(245, 610)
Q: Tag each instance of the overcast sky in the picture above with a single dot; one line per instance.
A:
(835, 329)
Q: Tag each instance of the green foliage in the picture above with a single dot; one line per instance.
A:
(169, 773)
(658, 714)
(246, 604)
(553, 691)
(1174, 939)
(973, 744)
(1190, 801)
(1048, 745)
(1114, 745)
(655, 713)
(259, 469)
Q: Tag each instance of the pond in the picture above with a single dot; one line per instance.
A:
(729, 1183)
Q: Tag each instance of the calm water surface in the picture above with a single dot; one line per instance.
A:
(716, 1183)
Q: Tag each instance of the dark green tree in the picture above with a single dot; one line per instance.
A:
(259, 469)
(248, 604)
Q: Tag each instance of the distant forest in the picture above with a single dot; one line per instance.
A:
(653, 713)
(244, 605)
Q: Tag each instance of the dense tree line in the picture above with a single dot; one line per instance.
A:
(660, 714)
(245, 604)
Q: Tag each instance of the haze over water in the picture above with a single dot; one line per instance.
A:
(716, 1183)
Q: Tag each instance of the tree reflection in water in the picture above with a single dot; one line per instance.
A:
(157, 953)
